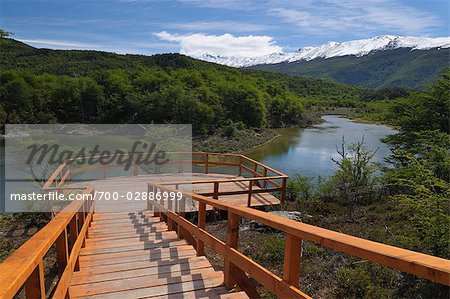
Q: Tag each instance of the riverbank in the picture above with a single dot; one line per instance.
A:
(358, 115)
(239, 141)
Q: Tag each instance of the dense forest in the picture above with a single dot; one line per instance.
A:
(50, 86)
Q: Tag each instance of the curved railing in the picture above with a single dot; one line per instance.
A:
(68, 230)
(25, 268)
(237, 265)
(266, 178)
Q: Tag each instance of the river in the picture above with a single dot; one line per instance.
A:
(309, 151)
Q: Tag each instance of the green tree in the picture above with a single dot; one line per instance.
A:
(4, 33)
(354, 182)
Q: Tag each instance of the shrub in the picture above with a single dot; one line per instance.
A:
(273, 249)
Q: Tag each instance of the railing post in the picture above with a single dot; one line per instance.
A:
(180, 165)
(231, 241)
(62, 251)
(161, 202)
(170, 223)
(149, 204)
(81, 219)
(283, 190)
(201, 224)
(73, 226)
(35, 286)
(292, 257)
(249, 199)
(264, 175)
(207, 164)
(155, 210)
(179, 227)
(240, 166)
(216, 190)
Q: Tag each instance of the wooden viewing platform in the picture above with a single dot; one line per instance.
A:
(153, 251)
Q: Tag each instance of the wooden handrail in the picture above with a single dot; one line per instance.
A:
(418, 264)
(249, 189)
(24, 267)
(236, 263)
(265, 177)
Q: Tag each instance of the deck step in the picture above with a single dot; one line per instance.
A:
(130, 255)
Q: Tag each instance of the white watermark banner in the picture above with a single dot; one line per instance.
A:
(122, 168)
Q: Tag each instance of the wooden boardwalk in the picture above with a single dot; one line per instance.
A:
(130, 255)
(138, 184)
(150, 249)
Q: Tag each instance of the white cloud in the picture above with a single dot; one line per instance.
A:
(224, 45)
(325, 16)
(220, 25)
(223, 4)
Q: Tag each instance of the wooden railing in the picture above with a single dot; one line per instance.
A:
(67, 231)
(247, 184)
(267, 178)
(58, 177)
(237, 265)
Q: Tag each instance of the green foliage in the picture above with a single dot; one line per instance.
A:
(4, 33)
(367, 281)
(303, 188)
(420, 178)
(381, 69)
(42, 86)
(273, 249)
(354, 182)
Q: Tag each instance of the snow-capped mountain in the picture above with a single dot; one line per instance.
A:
(334, 49)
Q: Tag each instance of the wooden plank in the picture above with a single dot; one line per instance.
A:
(62, 251)
(132, 238)
(155, 244)
(244, 282)
(150, 253)
(211, 293)
(108, 232)
(201, 224)
(34, 285)
(163, 289)
(133, 283)
(144, 255)
(167, 236)
(261, 274)
(140, 272)
(292, 256)
(422, 265)
(16, 269)
(231, 241)
(130, 228)
(62, 288)
(136, 265)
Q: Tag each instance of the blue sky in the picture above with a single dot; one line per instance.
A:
(226, 27)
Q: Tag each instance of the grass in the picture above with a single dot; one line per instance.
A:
(326, 273)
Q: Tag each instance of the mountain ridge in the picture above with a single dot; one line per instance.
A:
(332, 49)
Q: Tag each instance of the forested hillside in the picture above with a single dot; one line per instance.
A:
(46, 86)
(393, 68)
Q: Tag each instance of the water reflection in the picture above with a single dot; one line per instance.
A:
(309, 151)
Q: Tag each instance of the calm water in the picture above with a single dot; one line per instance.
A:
(309, 151)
